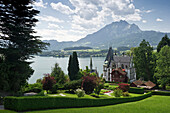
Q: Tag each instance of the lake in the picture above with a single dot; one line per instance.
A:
(44, 65)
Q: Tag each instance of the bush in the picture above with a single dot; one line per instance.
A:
(98, 88)
(136, 90)
(42, 102)
(124, 87)
(41, 93)
(54, 88)
(80, 92)
(88, 84)
(48, 82)
(125, 94)
(36, 87)
(75, 84)
(117, 92)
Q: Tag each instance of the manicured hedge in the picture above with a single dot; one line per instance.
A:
(45, 102)
(161, 93)
(136, 90)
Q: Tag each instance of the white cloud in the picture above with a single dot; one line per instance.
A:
(144, 21)
(63, 8)
(159, 20)
(149, 11)
(59, 35)
(50, 25)
(50, 19)
(40, 4)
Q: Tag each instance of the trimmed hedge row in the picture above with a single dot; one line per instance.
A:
(136, 90)
(42, 102)
(161, 93)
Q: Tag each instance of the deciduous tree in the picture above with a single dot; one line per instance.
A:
(143, 61)
(163, 66)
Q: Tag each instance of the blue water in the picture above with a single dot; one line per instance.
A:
(44, 65)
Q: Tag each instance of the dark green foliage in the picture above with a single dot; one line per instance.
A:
(99, 86)
(45, 102)
(18, 42)
(165, 93)
(73, 67)
(59, 75)
(144, 61)
(36, 87)
(162, 71)
(75, 84)
(136, 90)
(165, 41)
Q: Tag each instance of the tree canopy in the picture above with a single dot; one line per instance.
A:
(143, 61)
(17, 42)
(165, 41)
(163, 66)
(59, 75)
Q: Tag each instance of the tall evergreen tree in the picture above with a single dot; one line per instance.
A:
(17, 42)
(165, 41)
(143, 60)
(73, 67)
(58, 74)
(75, 63)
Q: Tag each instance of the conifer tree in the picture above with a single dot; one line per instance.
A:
(73, 67)
(165, 41)
(59, 75)
(17, 42)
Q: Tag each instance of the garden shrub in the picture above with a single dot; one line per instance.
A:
(124, 87)
(117, 92)
(48, 82)
(46, 102)
(41, 93)
(36, 87)
(106, 85)
(80, 92)
(136, 90)
(88, 84)
(125, 94)
(75, 84)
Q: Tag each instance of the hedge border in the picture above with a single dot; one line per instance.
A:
(20, 104)
(136, 90)
(160, 93)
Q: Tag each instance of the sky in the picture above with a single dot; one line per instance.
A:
(71, 20)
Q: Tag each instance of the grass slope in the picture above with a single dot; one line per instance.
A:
(154, 104)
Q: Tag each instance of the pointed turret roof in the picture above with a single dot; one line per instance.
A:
(109, 56)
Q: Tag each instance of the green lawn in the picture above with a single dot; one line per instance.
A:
(154, 104)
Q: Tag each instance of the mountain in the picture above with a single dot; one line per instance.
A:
(115, 34)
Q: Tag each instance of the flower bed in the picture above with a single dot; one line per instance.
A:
(46, 102)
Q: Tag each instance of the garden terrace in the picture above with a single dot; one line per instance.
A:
(48, 102)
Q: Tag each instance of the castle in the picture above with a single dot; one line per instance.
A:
(123, 64)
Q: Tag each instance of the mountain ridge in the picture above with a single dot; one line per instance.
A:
(115, 34)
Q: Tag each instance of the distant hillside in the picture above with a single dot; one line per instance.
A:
(115, 34)
(77, 48)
